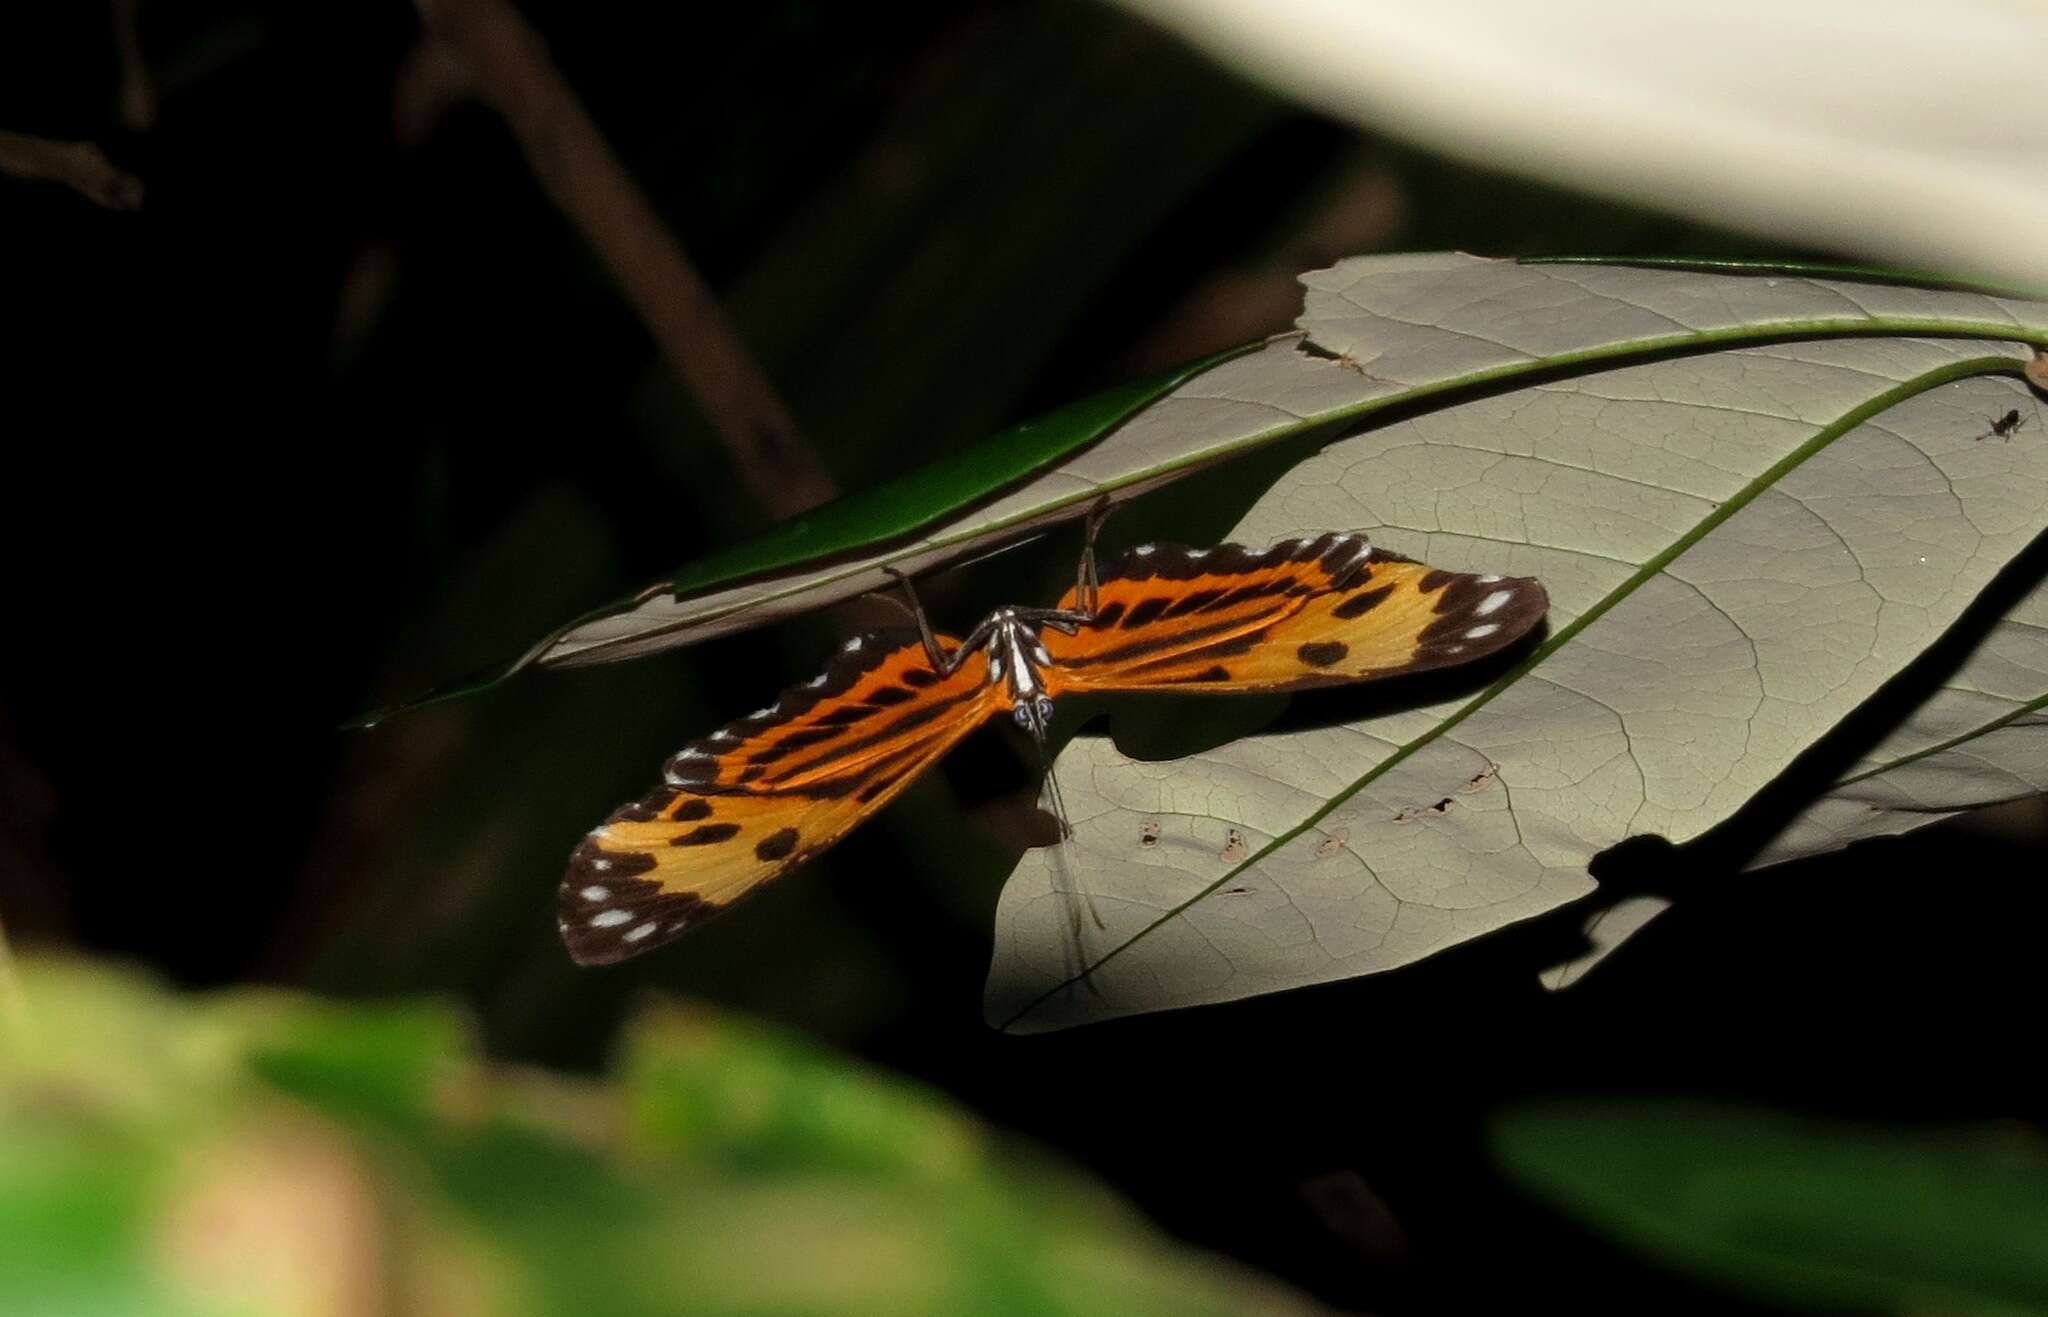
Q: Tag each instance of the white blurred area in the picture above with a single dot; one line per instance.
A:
(1910, 135)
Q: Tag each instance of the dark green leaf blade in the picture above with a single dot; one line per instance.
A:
(1804, 1213)
(866, 520)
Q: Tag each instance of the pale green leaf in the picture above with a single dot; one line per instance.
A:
(1741, 546)
(1423, 325)
(1976, 741)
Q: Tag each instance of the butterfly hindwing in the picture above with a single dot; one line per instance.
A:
(1317, 611)
(759, 796)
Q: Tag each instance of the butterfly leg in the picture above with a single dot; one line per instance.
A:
(1086, 582)
(1067, 621)
(942, 663)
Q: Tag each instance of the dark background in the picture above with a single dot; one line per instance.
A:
(348, 407)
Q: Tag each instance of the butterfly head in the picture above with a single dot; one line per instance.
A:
(1034, 715)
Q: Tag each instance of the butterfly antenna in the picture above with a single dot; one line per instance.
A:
(1062, 868)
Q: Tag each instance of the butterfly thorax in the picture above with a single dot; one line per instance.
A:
(1016, 660)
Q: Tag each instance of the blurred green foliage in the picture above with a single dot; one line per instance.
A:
(1816, 1215)
(263, 1152)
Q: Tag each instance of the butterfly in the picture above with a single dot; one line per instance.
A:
(759, 796)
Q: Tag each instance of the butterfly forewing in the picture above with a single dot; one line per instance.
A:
(759, 796)
(1308, 612)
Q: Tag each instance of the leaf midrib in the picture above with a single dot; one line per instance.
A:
(1940, 747)
(1668, 345)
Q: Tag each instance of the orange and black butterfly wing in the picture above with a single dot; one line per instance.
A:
(1318, 611)
(760, 796)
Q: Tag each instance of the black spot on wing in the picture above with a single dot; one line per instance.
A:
(709, 834)
(842, 673)
(1348, 559)
(1322, 653)
(884, 696)
(591, 864)
(695, 769)
(1450, 637)
(1362, 603)
(647, 807)
(608, 915)
(692, 809)
(1174, 642)
(1144, 611)
(776, 845)
(1192, 602)
(1229, 647)
(1278, 585)
(1241, 594)
(789, 743)
(608, 912)
(1176, 562)
(1107, 615)
(908, 720)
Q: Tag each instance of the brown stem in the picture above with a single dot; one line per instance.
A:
(579, 171)
(81, 165)
(136, 97)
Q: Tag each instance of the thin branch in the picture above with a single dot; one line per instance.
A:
(579, 171)
(136, 96)
(81, 166)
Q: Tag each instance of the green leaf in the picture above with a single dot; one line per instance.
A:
(261, 1152)
(1972, 739)
(391, 1064)
(1803, 1213)
(1976, 740)
(1227, 406)
(837, 550)
(697, 1086)
(1422, 344)
(1754, 501)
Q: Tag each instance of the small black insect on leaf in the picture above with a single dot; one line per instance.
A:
(2003, 426)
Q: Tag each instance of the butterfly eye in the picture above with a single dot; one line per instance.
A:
(1044, 711)
(1022, 713)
